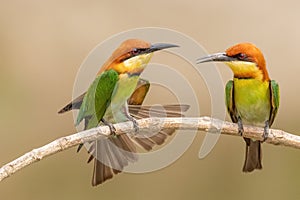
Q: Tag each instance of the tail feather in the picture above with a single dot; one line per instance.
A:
(117, 152)
(146, 143)
(126, 147)
(168, 131)
(253, 155)
(101, 173)
(116, 159)
(111, 156)
(159, 138)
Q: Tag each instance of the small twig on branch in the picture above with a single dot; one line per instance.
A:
(206, 124)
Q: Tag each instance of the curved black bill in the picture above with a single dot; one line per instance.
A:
(217, 57)
(159, 46)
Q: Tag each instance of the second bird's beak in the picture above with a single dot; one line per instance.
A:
(217, 57)
(159, 46)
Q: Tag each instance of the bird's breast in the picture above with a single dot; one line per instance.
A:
(123, 90)
(252, 100)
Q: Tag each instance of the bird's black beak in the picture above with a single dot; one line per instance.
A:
(151, 49)
(217, 57)
(159, 46)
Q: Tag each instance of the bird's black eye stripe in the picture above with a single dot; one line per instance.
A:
(138, 51)
(135, 52)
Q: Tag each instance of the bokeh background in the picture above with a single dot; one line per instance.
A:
(43, 44)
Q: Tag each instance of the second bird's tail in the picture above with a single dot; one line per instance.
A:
(253, 155)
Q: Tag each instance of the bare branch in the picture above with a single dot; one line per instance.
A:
(206, 124)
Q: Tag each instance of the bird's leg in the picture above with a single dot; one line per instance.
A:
(130, 118)
(241, 131)
(110, 125)
(266, 130)
(240, 126)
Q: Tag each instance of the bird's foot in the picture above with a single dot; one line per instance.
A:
(132, 119)
(240, 126)
(135, 124)
(111, 127)
(266, 131)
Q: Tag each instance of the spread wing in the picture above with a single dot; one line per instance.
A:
(138, 111)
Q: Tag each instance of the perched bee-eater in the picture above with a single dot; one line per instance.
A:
(118, 84)
(251, 97)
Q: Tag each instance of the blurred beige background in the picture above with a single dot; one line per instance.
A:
(43, 43)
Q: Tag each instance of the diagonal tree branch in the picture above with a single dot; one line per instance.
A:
(206, 124)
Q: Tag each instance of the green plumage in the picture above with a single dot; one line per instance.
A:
(106, 102)
(251, 97)
(275, 96)
(229, 101)
(253, 102)
(97, 98)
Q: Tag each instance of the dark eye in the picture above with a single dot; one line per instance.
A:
(135, 51)
(241, 56)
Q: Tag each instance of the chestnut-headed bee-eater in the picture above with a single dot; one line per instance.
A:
(115, 96)
(252, 98)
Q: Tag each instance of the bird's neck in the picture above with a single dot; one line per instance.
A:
(247, 70)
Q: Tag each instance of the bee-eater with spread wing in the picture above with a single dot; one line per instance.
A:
(251, 97)
(118, 84)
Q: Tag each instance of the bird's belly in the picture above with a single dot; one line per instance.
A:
(256, 114)
(252, 102)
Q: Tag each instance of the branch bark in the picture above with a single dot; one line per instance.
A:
(206, 124)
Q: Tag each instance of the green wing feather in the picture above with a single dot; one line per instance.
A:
(275, 96)
(229, 100)
(97, 98)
